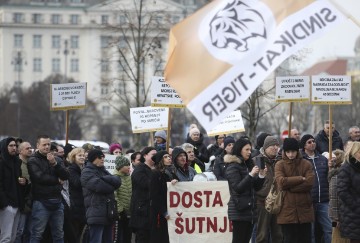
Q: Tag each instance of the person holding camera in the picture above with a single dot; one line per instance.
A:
(266, 222)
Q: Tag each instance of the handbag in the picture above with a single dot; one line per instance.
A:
(274, 200)
(111, 209)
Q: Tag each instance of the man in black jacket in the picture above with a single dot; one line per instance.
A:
(322, 139)
(47, 177)
(11, 190)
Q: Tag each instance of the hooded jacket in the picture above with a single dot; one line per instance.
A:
(11, 192)
(242, 186)
(322, 142)
(297, 203)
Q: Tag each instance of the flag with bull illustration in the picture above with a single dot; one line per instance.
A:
(221, 54)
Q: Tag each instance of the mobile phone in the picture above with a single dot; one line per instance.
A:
(260, 162)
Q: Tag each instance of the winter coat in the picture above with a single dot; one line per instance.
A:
(185, 174)
(11, 192)
(45, 178)
(333, 195)
(140, 199)
(349, 195)
(220, 167)
(242, 186)
(297, 204)
(198, 165)
(269, 178)
(77, 208)
(123, 194)
(320, 190)
(322, 142)
(200, 149)
(214, 150)
(98, 186)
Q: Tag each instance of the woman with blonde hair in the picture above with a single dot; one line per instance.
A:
(349, 194)
(77, 159)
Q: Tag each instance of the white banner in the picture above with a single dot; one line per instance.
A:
(162, 95)
(233, 123)
(147, 119)
(67, 96)
(331, 89)
(198, 212)
(292, 88)
(109, 163)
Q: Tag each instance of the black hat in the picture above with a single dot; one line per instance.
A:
(176, 152)
(304, 139)
(68, 148)
(158, 156)
(228, 140)
(94, 154)
(290, 144)
(261, 138)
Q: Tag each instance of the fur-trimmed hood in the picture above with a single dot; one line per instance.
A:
(229, 158)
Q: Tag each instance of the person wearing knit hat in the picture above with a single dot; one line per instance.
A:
(180, 159)
(99, 188)
(123, 198)
(160, 140)
(219, 165)
(197, 140)
(228, 140)
(159, 156)
(320, 190)
(266, 221)
(115, 149)
(296, 175)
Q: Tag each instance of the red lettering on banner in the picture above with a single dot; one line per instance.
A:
(207, 193)
(197, 199)
(217, 199)
(180, 229)
(197, 225)
(211, 224)
(173, 196)
(183, 199)
(200, 220)
(187, 225)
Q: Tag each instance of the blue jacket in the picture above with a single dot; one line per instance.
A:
(320, 190)
(98, 186)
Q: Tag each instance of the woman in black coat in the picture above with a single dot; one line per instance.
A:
(77, 159)
(244, 179)
(349, 193)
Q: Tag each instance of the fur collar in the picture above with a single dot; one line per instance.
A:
(229, 158)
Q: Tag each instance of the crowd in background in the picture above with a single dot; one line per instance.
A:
(52, 193)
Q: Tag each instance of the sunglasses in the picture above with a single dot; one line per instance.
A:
(310, 141)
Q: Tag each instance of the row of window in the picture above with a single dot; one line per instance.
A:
(55, 65)
(37, 41)
(39, 18)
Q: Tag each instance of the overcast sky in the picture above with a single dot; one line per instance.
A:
(340, 41)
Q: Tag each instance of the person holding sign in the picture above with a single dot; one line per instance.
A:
(183, 170)
(244, 178)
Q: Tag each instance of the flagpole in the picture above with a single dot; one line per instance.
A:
(345, 12)
(330, 132)
(290, 118)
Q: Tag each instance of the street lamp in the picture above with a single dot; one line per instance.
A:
(14, 99)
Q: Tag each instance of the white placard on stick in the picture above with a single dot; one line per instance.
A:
(162, 95)
(147, 119)
(233, 123)
(67, 96)
(292, 88)
(327, 89)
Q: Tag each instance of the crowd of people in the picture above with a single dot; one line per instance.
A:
(59, 194)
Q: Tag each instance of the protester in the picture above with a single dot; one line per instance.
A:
(98, 189)
(77, 210)
(47, 177)
(349, 193)
(11, 190)
(295, 177)
(218, 147)
(135, 159)
(197, 140)
(184, 171)
(123, 198)
(158, 196)
(115, 149)
(194, 162)
(322, 139)
(244, 179)
(219, 164)
(160, 140)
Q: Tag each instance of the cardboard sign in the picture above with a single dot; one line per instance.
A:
(147, 119)
(331, 90)
(292, 88)
(198, 212)
(109, 163)
(67, 96)
(233, 123)
(162, 95)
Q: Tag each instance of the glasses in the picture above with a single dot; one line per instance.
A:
(310, 141)
(167, 156)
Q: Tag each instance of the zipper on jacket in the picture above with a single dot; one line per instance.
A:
(317, 175)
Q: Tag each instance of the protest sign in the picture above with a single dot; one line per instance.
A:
(328, 89)
(292, 88)
(147, 119)
(197, 213)
(233, 123)
(162, 95)
(67, 96)
(109, 163)
(234, 46)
